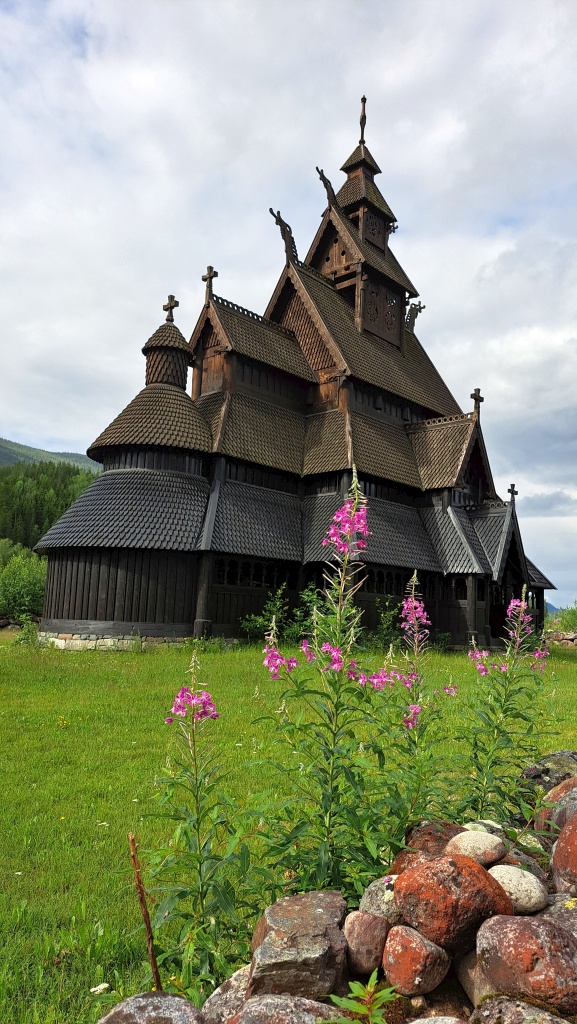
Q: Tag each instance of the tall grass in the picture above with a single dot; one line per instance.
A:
(81, 740)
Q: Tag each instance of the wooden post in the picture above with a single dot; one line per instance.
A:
(202, 621)
(472, 606)
(144, 911)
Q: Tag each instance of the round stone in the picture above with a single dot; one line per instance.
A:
(480, 846)
(527, 894)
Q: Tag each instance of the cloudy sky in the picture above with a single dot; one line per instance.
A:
(143, 139)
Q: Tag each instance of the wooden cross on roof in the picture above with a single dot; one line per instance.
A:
(208, 278)
(168, 308)
(513, 493)
(477, 398)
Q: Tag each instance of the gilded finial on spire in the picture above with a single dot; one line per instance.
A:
(363, 120)
(168, 308)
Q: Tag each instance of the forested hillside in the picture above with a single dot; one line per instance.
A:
(33, 496)
(11, 452)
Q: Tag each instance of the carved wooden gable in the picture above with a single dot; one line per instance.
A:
(333, 256)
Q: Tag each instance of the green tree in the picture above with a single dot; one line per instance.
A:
(22, 584)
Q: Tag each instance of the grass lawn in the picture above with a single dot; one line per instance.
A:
(83, 736)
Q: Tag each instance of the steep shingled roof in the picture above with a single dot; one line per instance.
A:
(383, 449)
(440, 447)
(268, 434)
(262, 340)
(134, 508)
(411, 376)
(384, 262)
(361, 155)
(360, 187)
(325, 449)
(538, 578)
(160, 415)
(257, 521)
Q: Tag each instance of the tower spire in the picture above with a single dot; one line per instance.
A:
(363, 120)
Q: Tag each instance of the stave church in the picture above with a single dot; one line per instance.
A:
(211, 498)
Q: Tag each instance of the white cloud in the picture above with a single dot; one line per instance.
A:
(142, 141)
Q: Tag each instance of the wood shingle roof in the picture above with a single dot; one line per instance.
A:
(440, 447)
(161, 415)
(262, 340)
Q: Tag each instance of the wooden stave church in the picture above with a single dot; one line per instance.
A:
(208, 502)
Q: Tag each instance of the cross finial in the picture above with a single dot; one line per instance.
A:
(477, 398)
(363, 120)
(168, 308)
(211, 273)
(513, 493)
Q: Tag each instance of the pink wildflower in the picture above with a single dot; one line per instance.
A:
(451, 691)
(200, 704)
(410, 720)
(348, 529)
(305, 648)
(273, 660)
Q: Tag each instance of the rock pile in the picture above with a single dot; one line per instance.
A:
(459, 904)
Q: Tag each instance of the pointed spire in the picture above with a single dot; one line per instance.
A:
(363, 120)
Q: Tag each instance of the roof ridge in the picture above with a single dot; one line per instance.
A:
(234, 306)
(438, 421)
(316, 274)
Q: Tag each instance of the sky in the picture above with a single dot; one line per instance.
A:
(145, 139)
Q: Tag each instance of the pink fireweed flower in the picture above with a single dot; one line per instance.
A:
(362, 680)
(348, 529)
(451, 691)
(503, 668)
(290, 664)
(305, 648)
(411, 720)
(336, 662)
(200, 704)
(273, 660)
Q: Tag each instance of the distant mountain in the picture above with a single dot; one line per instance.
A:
(11, 452)
(551, 608)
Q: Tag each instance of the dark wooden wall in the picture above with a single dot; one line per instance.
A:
(122, 585)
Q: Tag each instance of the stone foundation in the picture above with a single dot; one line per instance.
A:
(93, 642)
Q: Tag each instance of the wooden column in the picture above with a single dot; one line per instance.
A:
(472, 606)
(202, 622)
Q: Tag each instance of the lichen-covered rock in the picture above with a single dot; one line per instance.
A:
(154, 1008)
(559, 814)
(439, 1020)
(527, 894)
(471, 977)
(365, 934)
(379, 898)
(504, 1010)
(564, 860)
(483, 847)
(408, 859)
(530, 956)
(551, 770)
(446, 899)
(431, 836)
(299, 947)
(228, 998)
(412, 963)
(563, 910)
(486, 825)
(282, 1009)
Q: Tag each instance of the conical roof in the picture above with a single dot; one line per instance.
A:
(361, 155)
(161, 415)
(167, 336)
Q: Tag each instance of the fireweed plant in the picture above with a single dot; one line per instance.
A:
(507, 718)
(204, 878)
(361, 761)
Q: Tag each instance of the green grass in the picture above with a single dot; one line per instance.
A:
(82, 738)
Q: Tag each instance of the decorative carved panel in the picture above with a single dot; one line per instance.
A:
(383, 312)
(375, 229)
